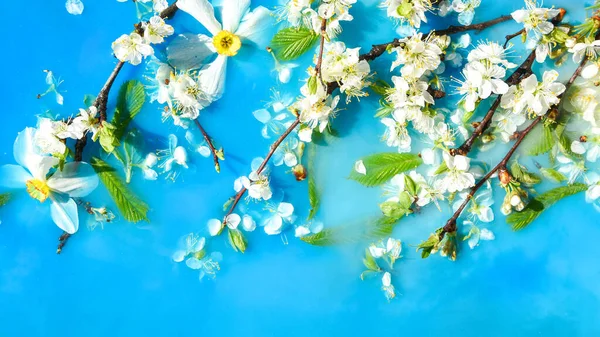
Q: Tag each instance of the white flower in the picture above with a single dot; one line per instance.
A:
(173, 159)
(476, 234)
(155, 30)
(466, 10)
(343, 66)
(292, 11)
(491, 79)
(417, 56)
(53, 84)
(131, 48)
(313, 20)
(591, 50)
(387, 286)
(316, 109)
(149, 162)
(239, 25)
(86, 122)
(306, 229)
(536, 97)
(491, 52)
(193, 252)
(188, 98)
(507, 124)
(281, 215)
(570, 168)
(458, 177)
(591, 148)
(535, 19)
(480, 205)
(411, 11)
(396, 135)
(74, 7)
(256, 183)
(275, 117)
(76, 180)
(48, 138)
(157, 78)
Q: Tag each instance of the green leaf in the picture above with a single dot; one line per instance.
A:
(131, 207)
(371, 229)
(381, 167)
(130, 153)
(370, 262)
(441, 169)
(289, 43)
(129, 103)
(380, 87)
(313, 196)
(536, 206)
(4, 199)
(237, 240)
(108, 138)
(542, 141)
(428, 246)
(523, 175)
(553, 174)
(386, 109)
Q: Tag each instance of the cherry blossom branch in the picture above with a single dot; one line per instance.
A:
(522, 71)
(450, 225)
(512, 36)
(211, 146)
(101, 101)
(274, 146)
(321, 47)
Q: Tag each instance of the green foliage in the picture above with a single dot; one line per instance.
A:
(441, 169)
(380, 87)
(536, 206)
(131, 207)
(313, 196)
(553, 174)
(430, 245)
(108, 138)
(370, 263)
(398, 209)
(542, 141)
(371, 229)
(523, 175)
(4, 199)
(384, 110)
(129, 154)
(237, 240)
(129, 103)
(290, 43)
(381, 167)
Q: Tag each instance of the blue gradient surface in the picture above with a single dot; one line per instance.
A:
(120, 281)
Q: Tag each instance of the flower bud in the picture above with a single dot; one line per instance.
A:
(299, 172)
(506, 208)
(487, 138)
(505, 177)
(515, 200)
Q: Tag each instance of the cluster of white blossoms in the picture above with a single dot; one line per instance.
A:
(464, 8)
(408, 11)
(51, 134)
(484, 74)
(133, 48)
(531, 96)
(301, 13)
(256, 183)
(538, 27)
(343, 66)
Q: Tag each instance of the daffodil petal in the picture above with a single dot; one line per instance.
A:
(76, 179)
(26, 155)
(255, 27)
(202, 11)
(189, 51)
(64, 213)
(232, 13)
(212, 78)
(13, 176)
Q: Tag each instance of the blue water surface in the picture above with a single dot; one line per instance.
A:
(121, 281)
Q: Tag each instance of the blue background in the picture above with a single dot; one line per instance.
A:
(120, 281)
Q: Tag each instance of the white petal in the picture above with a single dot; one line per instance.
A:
(461, 163)
(359, 167)
(301, 231)
(189, 51)
(486, 215)
(64, 213)
(577, 147)
(285, 209)
(74, 7)
(26, 155)
(76, 179)
(232, 13)
(202, 11)
(273, 225)
(255, 27)
(178, 256)
(386, 280)
(193, 263)
(486, 235)
(214, 226)
(212, 78)
(233, 220)
(589, 71)
(248, 223)
(262, 115)
(13, 176)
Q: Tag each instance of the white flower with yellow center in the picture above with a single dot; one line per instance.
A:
(76, 180)
(457, 177)
(239, 26)
(535, 18)
(155, 30)
(131, 48)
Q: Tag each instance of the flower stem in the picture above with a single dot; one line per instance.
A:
(321, 47)
(450, 225)
(210, 146)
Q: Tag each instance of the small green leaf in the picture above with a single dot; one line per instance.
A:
(4, 199)
(107, 135)
(313, 196)
(356, 232)
(237, 240)
(129, 103)
(370, 262)
(523, 175)
(428, 246)
(312, 85)
(441, 169)
(131, 207)
(536, 206)
(381, 167)
(553, 174)
(384, 110)
(289, 43)
(380, 87)
(542, 141)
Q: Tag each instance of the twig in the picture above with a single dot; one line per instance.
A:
(321, 47)
(512, 36)
(210, 145)
(450, 225)
(274, 146)
(62, 241)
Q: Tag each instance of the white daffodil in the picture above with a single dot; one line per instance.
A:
(76, 180)
(458, 177)
(155, 30)
(387, 286)
(281, 214)
(417, 56)
(239, 26)
(131, 48)
(466, 10)
(410, 11)
(396, 135)
(535, 19)
(256, 183)
(53, 84)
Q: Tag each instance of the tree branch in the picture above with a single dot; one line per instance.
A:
(512, 36)
(210, 146)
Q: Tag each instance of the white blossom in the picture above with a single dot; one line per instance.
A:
(131, 48)
(458, 177)
(155, 30)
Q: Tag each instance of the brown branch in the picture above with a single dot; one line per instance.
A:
(477, 26)
(450, 225)
(321, 47)
(522, 71)
(512, 36)
(274, 146)
(210, 146)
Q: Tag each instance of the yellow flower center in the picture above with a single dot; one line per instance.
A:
(227, 43)
(38, 189)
